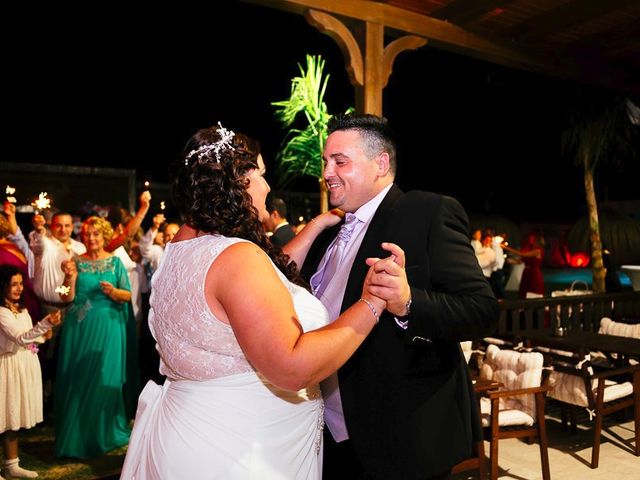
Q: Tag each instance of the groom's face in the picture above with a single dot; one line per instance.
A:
(350, 176)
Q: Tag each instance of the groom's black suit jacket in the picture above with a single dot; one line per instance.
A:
(408, 402)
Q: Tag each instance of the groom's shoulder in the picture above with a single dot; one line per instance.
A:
(421, 198)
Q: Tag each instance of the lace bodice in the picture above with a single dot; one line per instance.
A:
(192, 342)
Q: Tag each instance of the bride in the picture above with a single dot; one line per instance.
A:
(242, 343)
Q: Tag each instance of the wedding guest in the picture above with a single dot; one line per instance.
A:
(476, 240)
(277, 222)
(531, 254)
(51, 248)
(151, 249)
(20, 378)
(14, 250)
(97, 372)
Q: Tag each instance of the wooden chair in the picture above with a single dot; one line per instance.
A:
(619, 329)
(577, 384)
(478, 457)
(517, 409)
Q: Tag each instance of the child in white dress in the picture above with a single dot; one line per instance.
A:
(20, 377)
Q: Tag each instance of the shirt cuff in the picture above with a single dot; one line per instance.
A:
(403, 324)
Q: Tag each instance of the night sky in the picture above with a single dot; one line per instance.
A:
(125, 89)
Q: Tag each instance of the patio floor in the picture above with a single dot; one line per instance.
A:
(569, 454)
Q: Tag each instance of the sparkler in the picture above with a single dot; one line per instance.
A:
(42, 202)
(63, 290)
(10, 191)
(161, 205)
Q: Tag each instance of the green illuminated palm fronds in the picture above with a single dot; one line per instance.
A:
(302, 148)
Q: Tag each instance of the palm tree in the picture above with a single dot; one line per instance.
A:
(302, 150)
(599, 130)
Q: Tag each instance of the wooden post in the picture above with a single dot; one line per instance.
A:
(369, 72)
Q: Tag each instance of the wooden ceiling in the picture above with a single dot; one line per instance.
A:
(589, 41)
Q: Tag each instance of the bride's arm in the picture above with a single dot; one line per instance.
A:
(298, 247)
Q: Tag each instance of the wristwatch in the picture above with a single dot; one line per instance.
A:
(407, 308)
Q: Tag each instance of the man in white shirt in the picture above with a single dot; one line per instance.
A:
(497, 279)
(150, 249)
(50, 250)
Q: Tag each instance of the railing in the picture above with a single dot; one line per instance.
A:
(580, 312)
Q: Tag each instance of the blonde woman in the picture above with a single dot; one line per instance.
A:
(96, 363)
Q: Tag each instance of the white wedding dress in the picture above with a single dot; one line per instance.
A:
(216, 417)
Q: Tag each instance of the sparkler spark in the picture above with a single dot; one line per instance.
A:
(42, 202)
(63, 290)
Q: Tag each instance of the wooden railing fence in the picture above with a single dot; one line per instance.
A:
(580, 312)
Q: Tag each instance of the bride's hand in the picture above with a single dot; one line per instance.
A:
(379, 303)
(328, 219)
(389, 279)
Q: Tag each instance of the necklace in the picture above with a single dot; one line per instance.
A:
(12, 308)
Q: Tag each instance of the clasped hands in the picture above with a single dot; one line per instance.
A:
(387, 281)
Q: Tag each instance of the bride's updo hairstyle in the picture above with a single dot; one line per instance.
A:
(209, 187)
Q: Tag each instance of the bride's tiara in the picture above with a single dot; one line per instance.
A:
(225, 143)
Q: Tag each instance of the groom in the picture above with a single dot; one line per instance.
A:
(402, 407)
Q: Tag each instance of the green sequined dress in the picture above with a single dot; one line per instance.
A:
(97, 377)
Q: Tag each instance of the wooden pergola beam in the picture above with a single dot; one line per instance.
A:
(462, 12)
(368, 63)
(567, 16)
(444, 34)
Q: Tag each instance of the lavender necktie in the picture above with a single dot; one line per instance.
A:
(334, 255)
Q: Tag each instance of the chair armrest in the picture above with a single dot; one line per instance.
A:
(514, 393)
(633, 369)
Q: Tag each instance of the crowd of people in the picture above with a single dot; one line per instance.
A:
(496, 258)
(85, 298)
(264, 333)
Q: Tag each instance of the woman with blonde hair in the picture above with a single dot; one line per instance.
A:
(95, 370)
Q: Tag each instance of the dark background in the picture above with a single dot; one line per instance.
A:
(125, 89)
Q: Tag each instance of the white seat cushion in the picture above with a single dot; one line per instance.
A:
(506, 418)
(609, 327)
(571, 389)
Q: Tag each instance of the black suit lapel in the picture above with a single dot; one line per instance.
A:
(370, 247)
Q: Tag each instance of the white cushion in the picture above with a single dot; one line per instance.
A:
(506, 418)
(619, 329)
(515, 370)
(571, 389)
(609, 327)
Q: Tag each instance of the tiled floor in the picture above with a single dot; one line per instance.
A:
(569, 454)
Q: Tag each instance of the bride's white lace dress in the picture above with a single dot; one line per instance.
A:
(216, 417)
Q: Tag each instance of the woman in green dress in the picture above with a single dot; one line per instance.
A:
(97, 363)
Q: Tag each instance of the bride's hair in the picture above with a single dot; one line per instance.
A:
(209, 188)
